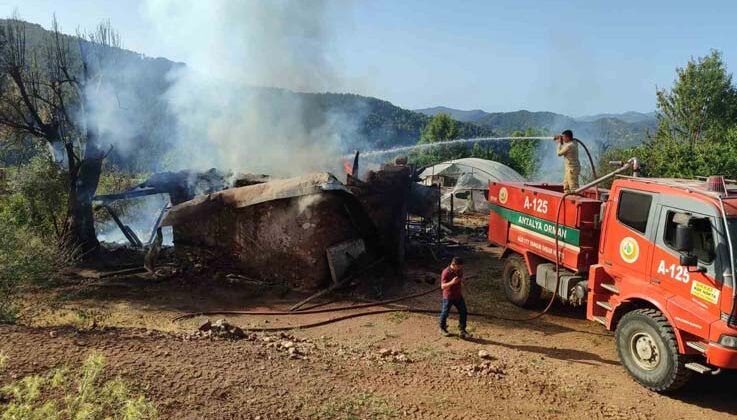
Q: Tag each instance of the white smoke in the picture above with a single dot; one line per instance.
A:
(230, 109)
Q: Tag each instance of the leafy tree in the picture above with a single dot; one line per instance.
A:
(701, 104)
(697, 125)
(523, 153)
(45, 96)
(696, 133)
(439, 128)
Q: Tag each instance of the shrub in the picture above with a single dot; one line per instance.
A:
(37, 197)
(61, 394)
(25, 259)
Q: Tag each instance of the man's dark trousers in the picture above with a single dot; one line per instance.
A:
(460, 304)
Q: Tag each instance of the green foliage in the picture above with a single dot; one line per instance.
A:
(37, 197)
(31, 230)
(63, 395)
(697, 130)
(523, 153)
(520, 155)
(25, 259)
(440, 128)
(702, 103)
(485, 152)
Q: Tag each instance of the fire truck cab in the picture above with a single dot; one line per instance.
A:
(653, 260)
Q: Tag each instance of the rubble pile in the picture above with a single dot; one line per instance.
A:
(181, 260)
(486, 368)
(219, 330)
(293, 347)
(392, 355)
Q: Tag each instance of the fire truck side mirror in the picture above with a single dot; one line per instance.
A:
(684, 244)
(684, 238)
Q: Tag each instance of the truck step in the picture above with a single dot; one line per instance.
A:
(698, 367)
(604, 304)
(610, 287)
(697, 345)
(601, 320)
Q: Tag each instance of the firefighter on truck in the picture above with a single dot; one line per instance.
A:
(568, 149)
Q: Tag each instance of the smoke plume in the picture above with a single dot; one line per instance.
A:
(234, 103)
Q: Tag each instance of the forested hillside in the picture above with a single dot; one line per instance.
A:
(628, 129)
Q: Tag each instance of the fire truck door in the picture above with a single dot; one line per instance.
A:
(694, 292)
(627, 245)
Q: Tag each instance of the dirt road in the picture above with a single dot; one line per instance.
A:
(383, 366)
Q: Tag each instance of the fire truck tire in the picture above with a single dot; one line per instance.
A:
(519, 287)
(648, 349)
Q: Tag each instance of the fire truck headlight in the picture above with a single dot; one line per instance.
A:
(728, 341)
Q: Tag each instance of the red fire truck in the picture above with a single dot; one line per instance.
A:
(653, 260)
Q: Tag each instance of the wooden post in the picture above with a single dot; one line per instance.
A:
(440, 214)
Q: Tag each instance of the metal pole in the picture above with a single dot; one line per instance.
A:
(450, 216)
(632, 163)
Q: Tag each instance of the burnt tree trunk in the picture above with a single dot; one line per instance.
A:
(84, 177)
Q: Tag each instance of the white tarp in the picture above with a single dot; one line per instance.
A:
(472, 176)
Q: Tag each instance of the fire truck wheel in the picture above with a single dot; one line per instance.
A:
(647, 347)
(519, 286)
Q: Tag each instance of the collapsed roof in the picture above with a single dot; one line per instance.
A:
(255, 194)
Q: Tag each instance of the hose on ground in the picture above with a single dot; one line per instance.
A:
(311, 311)
(357, 315)
(350, 316)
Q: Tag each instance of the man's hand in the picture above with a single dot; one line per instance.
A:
(450, 283)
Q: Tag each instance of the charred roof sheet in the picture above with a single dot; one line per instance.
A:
(255, 194)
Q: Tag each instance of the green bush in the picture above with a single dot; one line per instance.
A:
(62, 394)
(37, 197)
(26, 258)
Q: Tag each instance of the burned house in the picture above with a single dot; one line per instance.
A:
(307, 232)
(278, 230)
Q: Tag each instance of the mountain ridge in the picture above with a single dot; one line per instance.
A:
(625, 129)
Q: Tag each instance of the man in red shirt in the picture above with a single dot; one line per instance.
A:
(451, 281)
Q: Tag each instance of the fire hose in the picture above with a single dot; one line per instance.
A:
(349, 316)
(364, 305)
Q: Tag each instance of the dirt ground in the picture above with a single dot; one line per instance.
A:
(392, 365)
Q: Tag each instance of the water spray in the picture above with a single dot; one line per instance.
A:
(403, 149)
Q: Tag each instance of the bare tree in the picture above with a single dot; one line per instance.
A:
(45, 94)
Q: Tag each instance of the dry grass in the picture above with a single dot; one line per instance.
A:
(63, 394)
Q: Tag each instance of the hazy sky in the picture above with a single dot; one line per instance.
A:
(573, 57)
